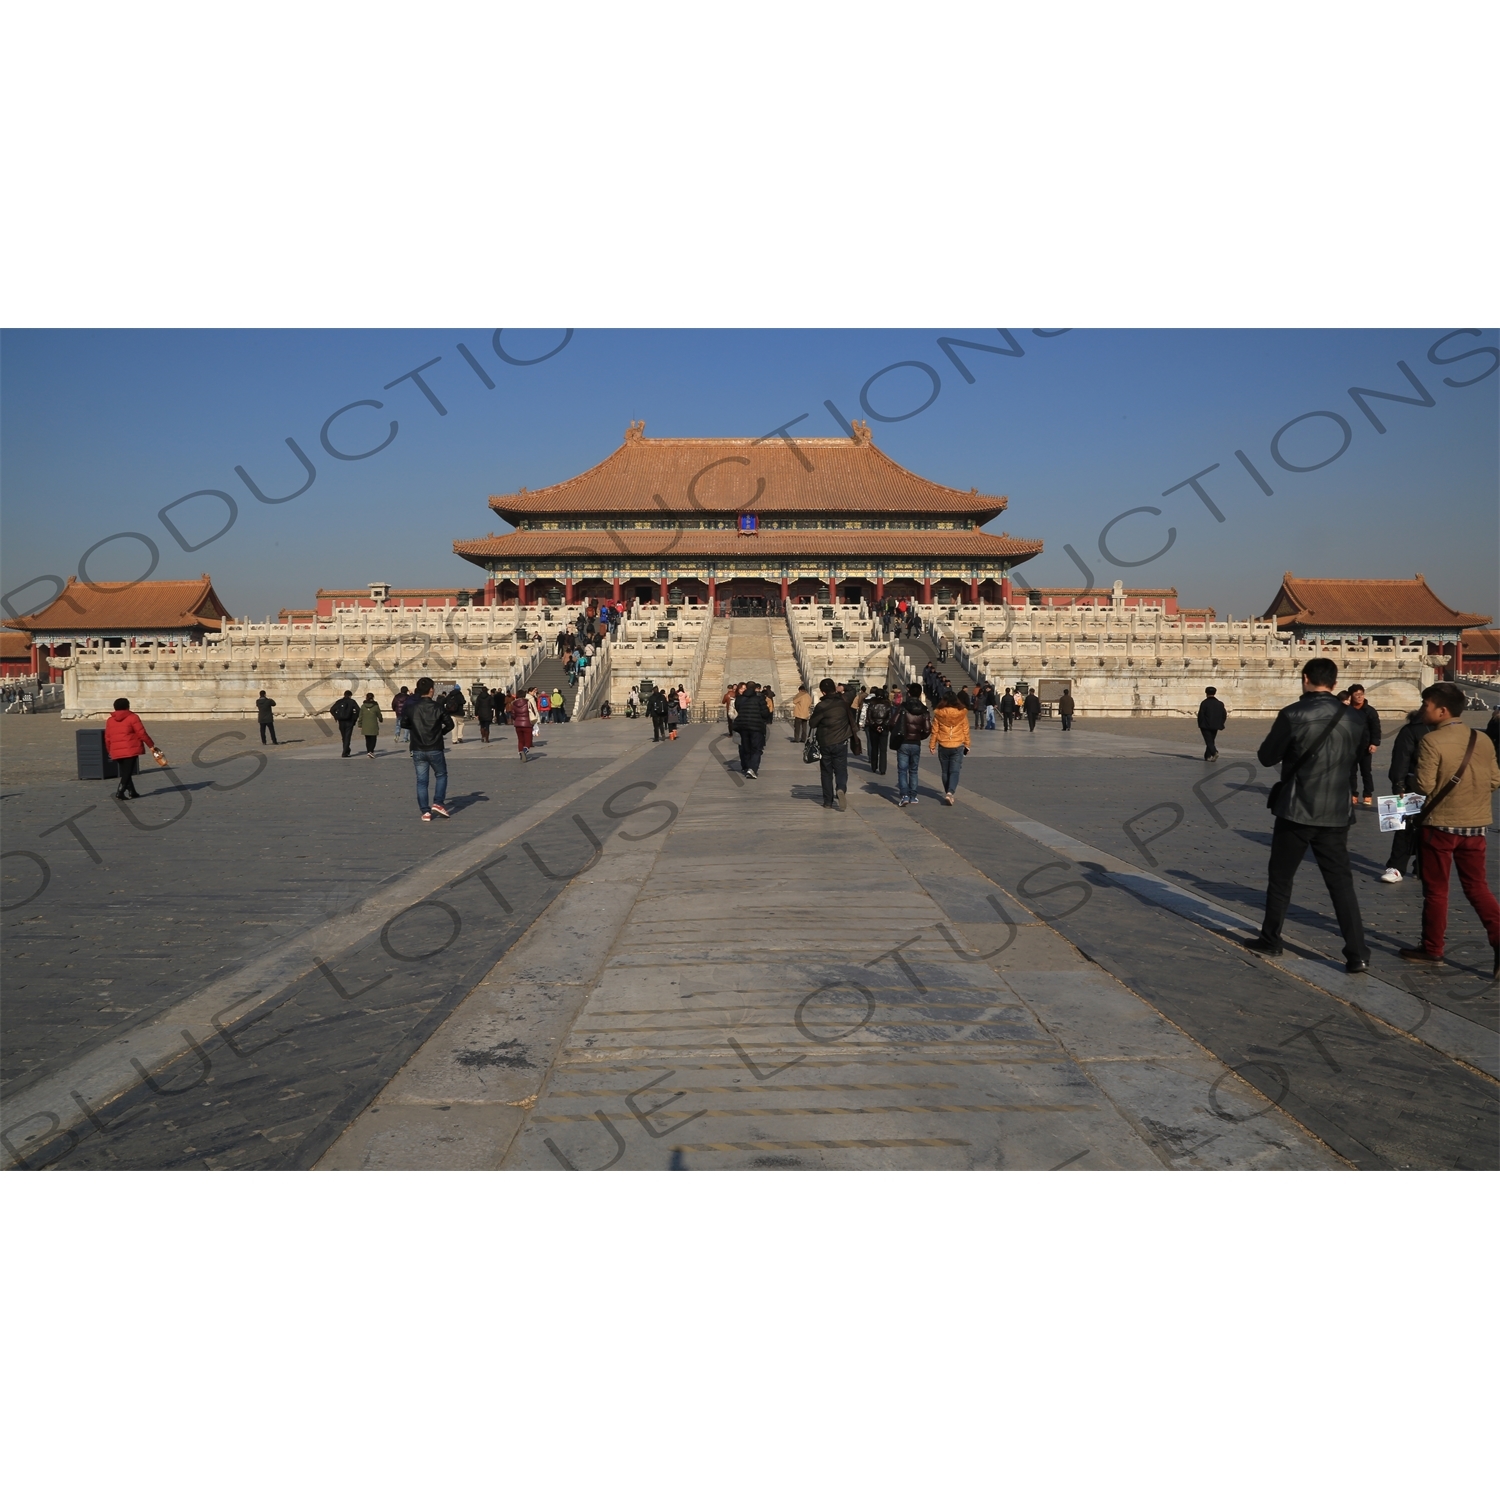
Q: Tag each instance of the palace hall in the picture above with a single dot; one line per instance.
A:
(747, 525)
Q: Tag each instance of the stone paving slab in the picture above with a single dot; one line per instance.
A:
(281, 1067)
(752, 1013)
(757, 985)
(1379, 1099)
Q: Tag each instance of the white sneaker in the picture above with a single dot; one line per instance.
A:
(1392, 875)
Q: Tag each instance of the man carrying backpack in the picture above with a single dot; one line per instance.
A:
(878, 730)
(909, 728)
(656, 706)
(427, 722)
(345, 713)
(1316, 740)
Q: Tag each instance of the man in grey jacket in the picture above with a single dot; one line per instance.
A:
(1316, 741)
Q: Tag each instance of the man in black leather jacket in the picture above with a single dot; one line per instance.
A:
(1311, 804)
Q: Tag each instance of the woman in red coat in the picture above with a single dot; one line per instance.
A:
(520, 718)
(124, 739)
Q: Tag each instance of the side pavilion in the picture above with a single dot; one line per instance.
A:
(1362, 611)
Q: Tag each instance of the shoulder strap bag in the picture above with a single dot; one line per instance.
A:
(1302, 760)
(1420, 820)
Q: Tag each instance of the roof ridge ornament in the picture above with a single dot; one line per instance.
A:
(862, 433)
(635, 432)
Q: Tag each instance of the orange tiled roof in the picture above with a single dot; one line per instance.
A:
(1482, 643)
(712, 545)
(156, 604)
(1347, 603)
(723, 476)
(15, 643)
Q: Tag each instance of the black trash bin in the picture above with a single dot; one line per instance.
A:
(93, 763)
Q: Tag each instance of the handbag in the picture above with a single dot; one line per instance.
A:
(1301, 761)
(811, 750)
(159, 756)
(1419, 820)
(855, 747)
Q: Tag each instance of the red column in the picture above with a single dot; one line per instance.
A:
(665, 585)
(1458, 657)
(1005, 590)
(784, 590)
(926, 593)
(974, 593)
(833, 590)
(568, 592)
(713, 597)
(880, 590)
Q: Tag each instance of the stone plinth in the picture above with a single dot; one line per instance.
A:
(1131, 661)
(304, 667)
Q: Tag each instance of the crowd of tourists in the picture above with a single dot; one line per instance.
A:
(1324, 745)
(994, 707)
(579, 643)
(898, 617)
(667, 708)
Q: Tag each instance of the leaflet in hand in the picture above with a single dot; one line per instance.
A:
(1394, 811)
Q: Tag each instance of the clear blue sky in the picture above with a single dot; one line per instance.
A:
(102, 429)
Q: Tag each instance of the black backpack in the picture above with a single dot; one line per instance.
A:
(878, 717)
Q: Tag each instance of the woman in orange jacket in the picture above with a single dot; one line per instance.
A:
(950, 738)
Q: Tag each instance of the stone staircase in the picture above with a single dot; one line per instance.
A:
(921, 650)
(751, 655)
(549, 673)
(710, 685)
(788, 677)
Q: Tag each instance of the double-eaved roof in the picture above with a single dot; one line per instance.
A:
(156, 604)
(727, 476)
(1393, 604)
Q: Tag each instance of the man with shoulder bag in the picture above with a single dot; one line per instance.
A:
(1457, 773)
(1316, 740)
